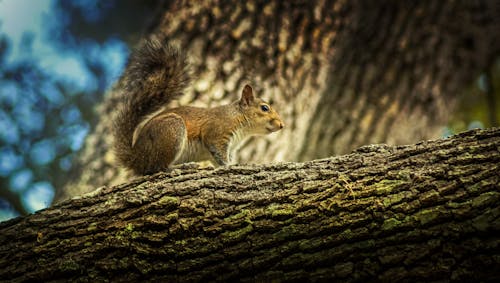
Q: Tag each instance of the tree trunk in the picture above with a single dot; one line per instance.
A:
(342, 74)
(423, 212)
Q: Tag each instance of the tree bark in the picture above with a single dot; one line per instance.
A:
(423, 212)
(342, 74)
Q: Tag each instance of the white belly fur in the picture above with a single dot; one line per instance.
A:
(239, 136)
(194, 151)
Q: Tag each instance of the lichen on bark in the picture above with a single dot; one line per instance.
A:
(421, 212)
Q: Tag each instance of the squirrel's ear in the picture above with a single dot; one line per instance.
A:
(246, 96)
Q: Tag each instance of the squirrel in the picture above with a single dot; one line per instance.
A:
(149, 137)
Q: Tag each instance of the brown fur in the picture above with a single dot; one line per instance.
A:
(148, 139)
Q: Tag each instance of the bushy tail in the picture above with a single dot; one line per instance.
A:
(156, 74)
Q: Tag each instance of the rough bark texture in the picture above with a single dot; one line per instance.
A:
(341, 73)
(424, 212)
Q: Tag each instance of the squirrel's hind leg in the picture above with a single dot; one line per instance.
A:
(162, 141)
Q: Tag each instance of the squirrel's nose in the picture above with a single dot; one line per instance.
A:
(282, 125)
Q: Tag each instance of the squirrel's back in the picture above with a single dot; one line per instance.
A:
(156, 74)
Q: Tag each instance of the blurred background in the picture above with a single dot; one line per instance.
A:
(58, 59)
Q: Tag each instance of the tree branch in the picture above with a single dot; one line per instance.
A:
(422, 212)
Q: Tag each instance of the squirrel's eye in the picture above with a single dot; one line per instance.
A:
(264, 108)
